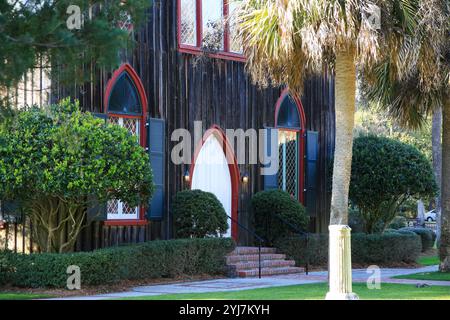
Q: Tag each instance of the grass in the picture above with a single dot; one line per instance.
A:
(316, 291)
(21, 296)
(436, 276)
(428, 260)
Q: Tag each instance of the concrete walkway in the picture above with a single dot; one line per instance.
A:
(234, 284)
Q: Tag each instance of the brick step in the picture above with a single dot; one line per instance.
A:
(276, 263)
(269, 271)
(252, 250)
(254, 257)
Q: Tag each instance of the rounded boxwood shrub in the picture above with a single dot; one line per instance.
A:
(270, 208)
(426, 235)
(385, 174)
(198, 214)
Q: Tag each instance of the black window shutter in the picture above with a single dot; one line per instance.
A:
(312, 152)
(96, 211)
(11, 211)
(100, 115)
(270, 181)
(156, 150)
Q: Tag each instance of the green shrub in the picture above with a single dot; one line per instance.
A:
(398, 222)
(386, 173)
(55, 160)
(267, 205)
(198, 214)
(387, 248)
(155, 259)
(426, 235)
(296, 248)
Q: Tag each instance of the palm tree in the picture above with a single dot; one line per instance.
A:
(286, 41)
(411, 94)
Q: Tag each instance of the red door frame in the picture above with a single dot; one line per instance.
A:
(302, 131)
(232, 166)
(127, 68)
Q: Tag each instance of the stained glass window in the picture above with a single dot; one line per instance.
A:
(124, 97)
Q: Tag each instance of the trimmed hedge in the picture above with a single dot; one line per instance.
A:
(386, 248)
(155, 259)
(427, 236)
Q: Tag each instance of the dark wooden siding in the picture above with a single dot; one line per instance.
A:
(183, 88)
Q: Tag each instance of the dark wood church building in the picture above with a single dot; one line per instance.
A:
(170, 81)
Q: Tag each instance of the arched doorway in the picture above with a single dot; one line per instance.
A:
(215, 170)
(290, 122)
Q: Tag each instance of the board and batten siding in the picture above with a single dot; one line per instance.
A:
(182, 88)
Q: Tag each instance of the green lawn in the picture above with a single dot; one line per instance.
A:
(428, 260)
(21, 296)
(316, 292)
(437, 276)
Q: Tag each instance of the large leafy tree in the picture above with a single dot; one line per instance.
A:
(422, 87)
(45, 29)
(58, 161)
(285, 41)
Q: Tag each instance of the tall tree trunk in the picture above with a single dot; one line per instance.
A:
(345, 86)
(437, 151)
(340, 265)
(436, 139)
(444, 248)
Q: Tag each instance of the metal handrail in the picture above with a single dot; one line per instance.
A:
(299, 232)
(260, 240)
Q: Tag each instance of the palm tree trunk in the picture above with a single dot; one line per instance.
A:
(437, 150)
(444, 248)
(340, 265)
(437, 164)
(345, 87)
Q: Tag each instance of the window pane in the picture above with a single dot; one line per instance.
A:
(124, 97)
(188, 30)
(235, 42)
(212, 16)
(288, 156)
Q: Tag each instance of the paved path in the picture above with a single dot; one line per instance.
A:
(233, 284)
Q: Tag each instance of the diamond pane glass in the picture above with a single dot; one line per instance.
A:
(188, 31)
(113, 207)
(212, 19)
(288, 153)
(235, 41)
(116, 209)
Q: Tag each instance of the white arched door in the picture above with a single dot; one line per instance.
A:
(212, 174)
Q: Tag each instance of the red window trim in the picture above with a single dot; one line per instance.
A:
(196, 50)
(232, 166)
(126, 67)
(302, 132)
